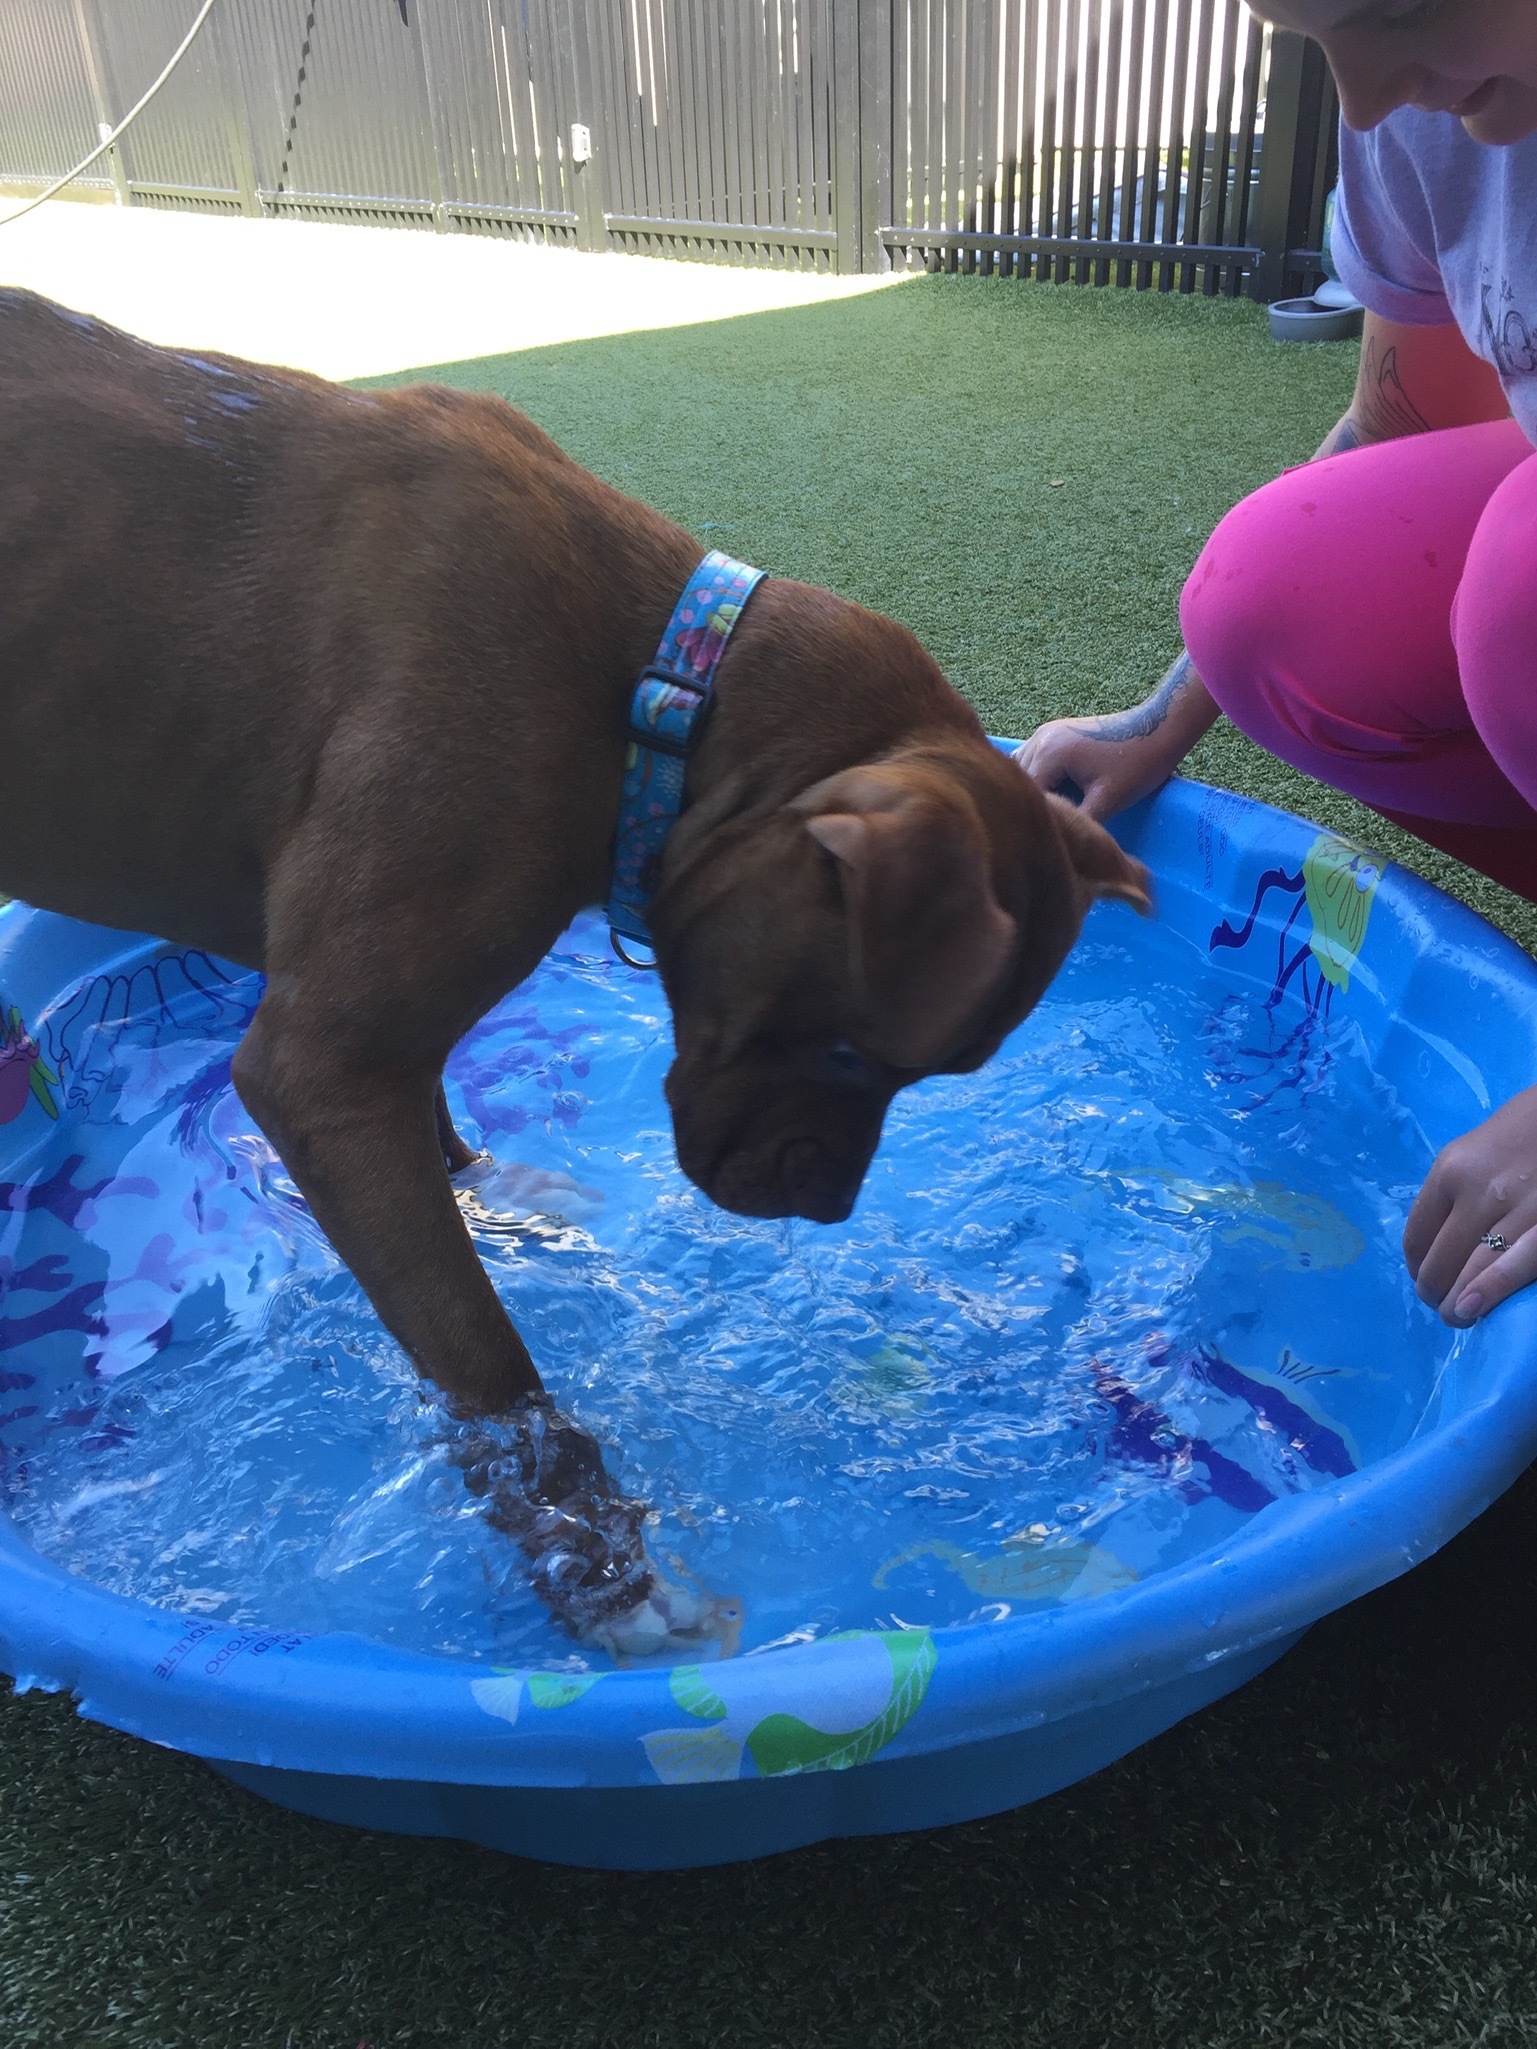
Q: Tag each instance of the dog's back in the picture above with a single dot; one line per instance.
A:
(204, 567)
(141, 531)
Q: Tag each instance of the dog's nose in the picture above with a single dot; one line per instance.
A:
(815, 1184)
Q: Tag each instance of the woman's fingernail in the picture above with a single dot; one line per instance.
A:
(1470, 1304)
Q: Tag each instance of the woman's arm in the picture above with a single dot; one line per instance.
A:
(1471, 1237)
(1411, 380)
(1107, 764)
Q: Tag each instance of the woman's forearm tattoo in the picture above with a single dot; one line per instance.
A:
(1146, 718)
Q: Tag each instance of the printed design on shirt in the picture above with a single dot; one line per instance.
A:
(1509, 336)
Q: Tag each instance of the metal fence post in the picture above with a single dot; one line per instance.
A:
(875, 132)
(236, 104)
(440, 155)
(847, 153)
(106, 120)
(1271, 219)
(584, 177)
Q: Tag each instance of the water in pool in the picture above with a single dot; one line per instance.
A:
(1097, 1306)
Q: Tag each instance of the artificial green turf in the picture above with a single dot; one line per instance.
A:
(1340, 1855)
(905, 449)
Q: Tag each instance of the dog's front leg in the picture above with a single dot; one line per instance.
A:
(369, 986)
(362, 1141)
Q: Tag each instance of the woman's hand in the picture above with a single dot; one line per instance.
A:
(1482, 1185)
(1084, 759)
(1109, 763)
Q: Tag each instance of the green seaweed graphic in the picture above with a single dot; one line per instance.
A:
(688, 1689)
(878, 1693)
(502, 1694)
(1025, 1568)
(559, 1689)
(784, 1743)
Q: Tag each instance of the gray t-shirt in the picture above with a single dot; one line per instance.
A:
(1432, 227)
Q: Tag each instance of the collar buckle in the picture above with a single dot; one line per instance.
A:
(666, 708)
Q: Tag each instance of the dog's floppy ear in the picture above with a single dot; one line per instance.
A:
(1100, 865)
(928, 937)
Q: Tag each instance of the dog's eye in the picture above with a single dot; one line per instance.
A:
(850, 1064)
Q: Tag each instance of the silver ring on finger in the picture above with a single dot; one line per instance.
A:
(1495, 1240)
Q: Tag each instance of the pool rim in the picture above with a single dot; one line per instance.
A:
(336, 1698)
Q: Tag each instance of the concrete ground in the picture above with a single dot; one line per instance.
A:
(356, 301)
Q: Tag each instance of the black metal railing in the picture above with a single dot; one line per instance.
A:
(1175, 144)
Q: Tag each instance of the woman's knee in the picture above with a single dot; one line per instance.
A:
(1239, 609)
(1494, 627)
(1276, 633)
(1319, 614)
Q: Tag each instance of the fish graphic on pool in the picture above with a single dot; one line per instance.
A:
(1132, 1431)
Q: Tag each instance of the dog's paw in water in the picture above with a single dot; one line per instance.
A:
(672, 1619)
(546, 1486)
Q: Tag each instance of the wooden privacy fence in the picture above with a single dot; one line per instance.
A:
(1170, 143)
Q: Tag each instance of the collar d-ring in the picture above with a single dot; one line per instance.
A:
(648, 966)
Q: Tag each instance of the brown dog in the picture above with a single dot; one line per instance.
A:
(336, 685)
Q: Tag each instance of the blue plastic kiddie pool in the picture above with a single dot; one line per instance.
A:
(1113, 1384)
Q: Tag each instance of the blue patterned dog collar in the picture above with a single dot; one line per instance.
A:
(666, 719)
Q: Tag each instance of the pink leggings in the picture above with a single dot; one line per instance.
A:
(1372, 620)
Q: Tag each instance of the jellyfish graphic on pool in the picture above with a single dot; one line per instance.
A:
(1335, 886)
(123, 1040)
(1332, 892)
(100, 1273)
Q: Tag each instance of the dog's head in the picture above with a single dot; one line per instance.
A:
(892, 921)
